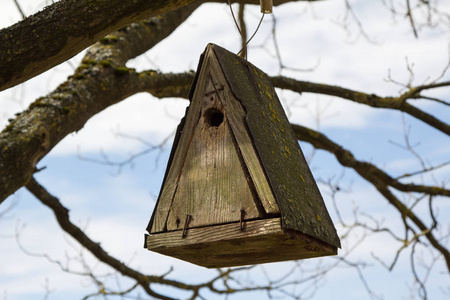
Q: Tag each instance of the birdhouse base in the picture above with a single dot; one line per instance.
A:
(238, 244)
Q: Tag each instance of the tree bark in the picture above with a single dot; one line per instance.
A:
(400, 103)
(65, 28)
(100, 81)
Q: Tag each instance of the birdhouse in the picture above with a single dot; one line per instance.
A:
(237, 188)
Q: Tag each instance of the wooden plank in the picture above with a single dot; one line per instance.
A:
(213, 187)
(226, 245)
(167, 192)
(236, 117)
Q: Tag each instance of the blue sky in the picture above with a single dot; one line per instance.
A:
(115, 208)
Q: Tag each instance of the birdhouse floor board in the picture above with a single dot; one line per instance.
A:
(260, 241)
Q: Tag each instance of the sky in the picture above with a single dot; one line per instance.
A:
(114, 204)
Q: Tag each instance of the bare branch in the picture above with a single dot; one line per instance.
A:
(16, 2)
(243, 30)
(62, 215)
(144, 281)
(379, 179)
(372, 100)
(411, 19)
(129, 161)
(366, 170)
(282, 66)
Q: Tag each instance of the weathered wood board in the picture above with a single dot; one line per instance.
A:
(212, 178)
(226, 245)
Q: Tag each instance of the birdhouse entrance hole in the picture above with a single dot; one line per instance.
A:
(237, 188)
(214, 117)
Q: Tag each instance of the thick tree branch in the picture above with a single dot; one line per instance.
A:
(95, 85)
(65, 28)
(378, 178)
(372, 100)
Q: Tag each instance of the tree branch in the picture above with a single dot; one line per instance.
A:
(98, 83)
(62, 216)
(372, 100)
(366, 170)
(19, 8)
(65, 28)
(378, 178)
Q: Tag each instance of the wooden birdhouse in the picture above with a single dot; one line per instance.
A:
(237, 188)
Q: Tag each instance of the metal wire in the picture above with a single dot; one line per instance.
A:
(240, 32)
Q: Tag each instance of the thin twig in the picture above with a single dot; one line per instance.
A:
(243, 27)
(411, 19)
(20, 9)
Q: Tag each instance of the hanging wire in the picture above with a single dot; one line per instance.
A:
(257, 28)
(240, 32)
(234, 18)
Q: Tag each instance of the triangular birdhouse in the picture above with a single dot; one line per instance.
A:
(237, 189)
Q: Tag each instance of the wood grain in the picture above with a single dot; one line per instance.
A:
(162, 208)
(226, 245)
(213, 187)
(236, 117)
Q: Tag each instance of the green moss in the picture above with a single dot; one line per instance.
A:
(8, 128)
(286, 148)
(38, 103)
(110, 39)
(78, 76)
(122, 70)
(89, 62)
(149, 72)
(313, 133)
(81, 68)
(301, 177)
(34, 105)
(105, 63)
